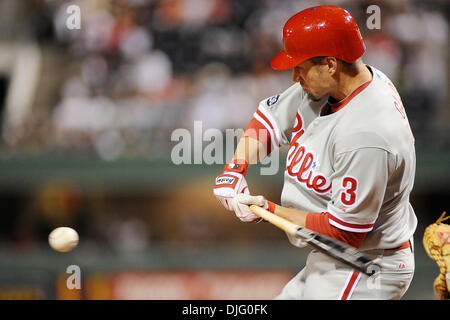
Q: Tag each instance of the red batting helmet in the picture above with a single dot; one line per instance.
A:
(319, 31)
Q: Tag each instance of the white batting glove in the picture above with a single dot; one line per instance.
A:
(231, 182)
(241, 203)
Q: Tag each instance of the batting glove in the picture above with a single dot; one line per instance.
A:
(241, 205)
(231, 182)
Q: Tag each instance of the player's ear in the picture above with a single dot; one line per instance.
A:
(332, 64)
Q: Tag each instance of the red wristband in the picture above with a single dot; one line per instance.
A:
(271, 206)
(237, 165)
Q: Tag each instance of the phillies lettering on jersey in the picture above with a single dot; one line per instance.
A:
(302, 165)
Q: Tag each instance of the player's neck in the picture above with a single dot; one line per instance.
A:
(348, 83)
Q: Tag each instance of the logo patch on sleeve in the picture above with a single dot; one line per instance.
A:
(272, 100)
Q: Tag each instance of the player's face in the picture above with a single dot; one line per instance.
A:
(315, 79)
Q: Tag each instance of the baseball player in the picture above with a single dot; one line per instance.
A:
(350, 164)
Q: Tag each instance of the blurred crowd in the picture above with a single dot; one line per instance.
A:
(136, 70)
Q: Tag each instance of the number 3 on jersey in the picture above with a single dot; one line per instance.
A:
(350, 186)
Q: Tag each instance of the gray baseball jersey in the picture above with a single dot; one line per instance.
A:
(357, 164)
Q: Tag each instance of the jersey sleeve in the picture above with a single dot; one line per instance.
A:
(319, 222)
(358, 188)
(274, 119)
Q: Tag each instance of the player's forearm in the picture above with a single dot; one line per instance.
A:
(319, 222)
(295, 216)
(249, 150)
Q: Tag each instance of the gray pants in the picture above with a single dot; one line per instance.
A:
(324, 278)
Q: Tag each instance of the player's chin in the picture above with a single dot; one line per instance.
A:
(312, 97)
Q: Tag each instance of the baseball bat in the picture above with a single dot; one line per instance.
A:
(329, 246)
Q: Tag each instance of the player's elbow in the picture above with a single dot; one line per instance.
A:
(319, 223)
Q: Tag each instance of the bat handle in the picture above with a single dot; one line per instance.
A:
(281, 223)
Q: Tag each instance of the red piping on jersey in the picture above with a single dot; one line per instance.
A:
(265, 118)
(350, 286)
(319, 222)
(333, 107)
(350, 225)
(271, 129)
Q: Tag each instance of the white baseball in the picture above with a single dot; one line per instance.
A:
(63, 239)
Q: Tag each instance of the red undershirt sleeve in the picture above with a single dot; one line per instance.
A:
(258, 132)
(319, 222)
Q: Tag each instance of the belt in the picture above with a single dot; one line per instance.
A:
(388, 252)
(406, 245)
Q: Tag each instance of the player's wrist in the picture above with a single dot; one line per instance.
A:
(271, 206)
(238, 166)
(267, 205)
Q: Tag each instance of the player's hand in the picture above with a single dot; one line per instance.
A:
(231, 182)
(241, 206)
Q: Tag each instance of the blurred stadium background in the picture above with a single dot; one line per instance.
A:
(85, 141)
